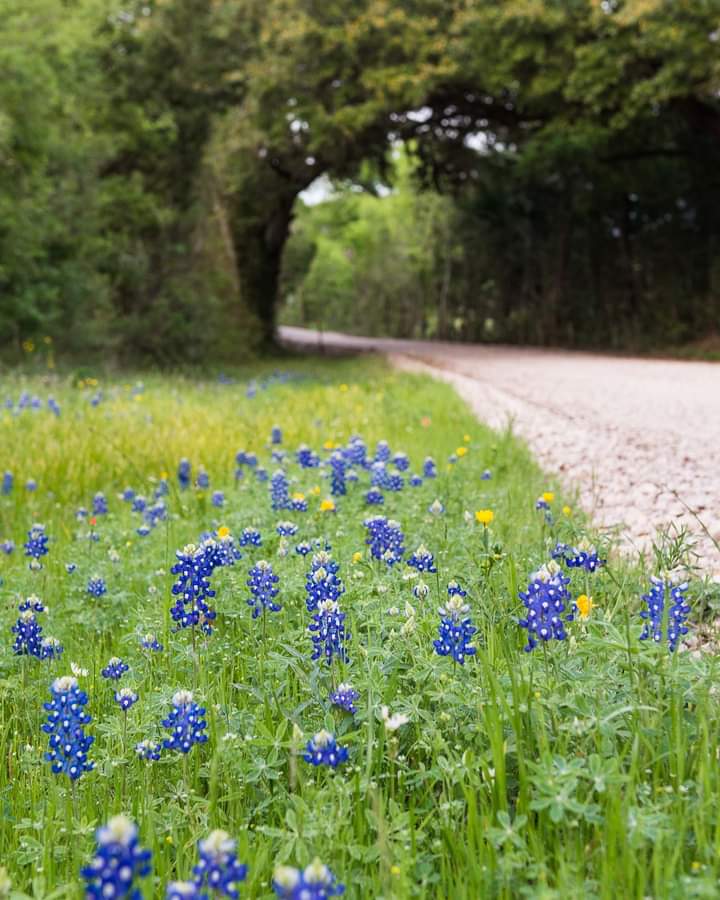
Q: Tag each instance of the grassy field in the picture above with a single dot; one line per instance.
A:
(585, 768)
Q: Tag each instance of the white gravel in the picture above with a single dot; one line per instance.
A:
(638, 439)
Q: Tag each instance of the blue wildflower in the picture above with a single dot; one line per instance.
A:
(128, 495)
(6, 485)
(51, 648)
(338, 487)
(307, 458)
(454, 590)
(219, 869)
(422, 560)
(99, 504)
(53, 406)
(203, 479)
(583, 556)
(315, 882)
(280, 491)
(415, 481)
(184, 473)
(27, 629)
(68, 745)
(345, 696)
(382, 451)
(262, 581)
(455, 631)
(303, 548)
(139, 503)
(31, 485)
(486, 475)
(323, 750)
(374, 497)
(664, 595)
(162, 489)
(119, 860)
(545, 600)
(275, 435)
(218, 499)
(327, 631)
(96, 587)
(70, 567)
(7, 546)
(420, 590)
(401, 462)
(394, 482)
(148, 750)
(81, 513)
(115, 669)
(356, 452)
(250, 536)
(36, 545)
(184, 890)
(436, 508)
(125, 698)
(150, 642)
(429, 468)
(286, 529)
(186, 722)
(385, 539)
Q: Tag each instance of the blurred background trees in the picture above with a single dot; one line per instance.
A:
(542, 172)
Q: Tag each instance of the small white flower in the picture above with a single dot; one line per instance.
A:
(394, 721)
(78, 671)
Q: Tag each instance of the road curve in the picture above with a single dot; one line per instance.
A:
(639, 439)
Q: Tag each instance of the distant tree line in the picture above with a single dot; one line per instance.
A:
(558, 180)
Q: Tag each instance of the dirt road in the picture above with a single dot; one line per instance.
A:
(638, 438)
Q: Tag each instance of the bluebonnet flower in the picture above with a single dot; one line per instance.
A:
(70, 567)
(298, 502)
(81, 513)
(187, 723)
(385, 539)
(545, 600)
(96, 587)
(250, 536)
(401, 462)
(68, 745)
(219, 869)
(148, 750)
(422, 560)
(6, 485)
(262, 581)
(454, 590)
(307, 458)
(99, 504)
(303, 548)
(286, 529)
(452, 459)
(378, 474)
(194, 567)
(394, 482)
(184, 473)
(162, 489)
(155, 513)
(436, 508)
(277, 457)
(218, 499)
(139, 503)
(275, 435)
(150, 642)
(280, 491)
(328, 633)
(665, 601)
(382, 451)
(203, 479)
(415, 481)
(128, 495)
(96, 398)
(31, 485)
(323, 750)
(322, 581)
(27, 629)
(51, 648)
(53, 406)
(115, 669)
(338, 487)
(345, 696)
(356, 452)
(119, 860)
(455, 631)
(429, 468)
(36, 545)
(125, 698)
(35, 402)
(315, 882)
(184, 890)
(374, 497)
(420, 590)
(583, 556)
(7, 546)
(486, 475)
(143, 530)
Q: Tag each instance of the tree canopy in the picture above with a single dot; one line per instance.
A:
(563, 187)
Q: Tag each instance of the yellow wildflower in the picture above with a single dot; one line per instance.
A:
(298, 496)
(461, 451)
(485, 516)
(343, 388)
(585, 605)
(394, 870)
(567, 511)
(327, 506)
(329, 445)
(548, 496)
(314, 490)
(223, 531)
(466, 438)
(357, 556)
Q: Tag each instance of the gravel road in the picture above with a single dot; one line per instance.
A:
(638, 439)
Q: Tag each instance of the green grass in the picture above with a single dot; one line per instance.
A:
(587, 770)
